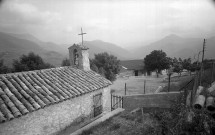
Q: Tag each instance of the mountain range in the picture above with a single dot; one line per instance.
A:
(176, 46)
(12, 46)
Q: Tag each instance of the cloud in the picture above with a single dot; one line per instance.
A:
(25, 15)
(117, 21)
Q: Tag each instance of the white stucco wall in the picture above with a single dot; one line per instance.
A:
(54, 117)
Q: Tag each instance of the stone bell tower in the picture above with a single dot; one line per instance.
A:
(79, 57)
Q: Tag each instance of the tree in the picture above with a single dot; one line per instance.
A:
(30, 62)
(94, 68)
(156, 61)
(65, 62)
(194, 66)
(4, 69)
(101, 71)
(108, 65)
(177, 66)
(186, 63)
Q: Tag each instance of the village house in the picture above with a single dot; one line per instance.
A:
(46, 101)
(132, 67)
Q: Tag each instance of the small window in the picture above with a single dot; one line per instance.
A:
(76, 57)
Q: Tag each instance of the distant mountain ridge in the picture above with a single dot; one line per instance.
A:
(176, 46)
(14, 45)
(98, 46)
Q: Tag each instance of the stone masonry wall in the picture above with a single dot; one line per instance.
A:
(55, 117)
(106, 100)
(85, 63)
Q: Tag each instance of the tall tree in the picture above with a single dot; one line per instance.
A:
(177, 65)
(156, 61)
(108, 65)
(186, 63)
(93, 66)
(30, 62)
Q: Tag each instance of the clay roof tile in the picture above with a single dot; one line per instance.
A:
(24, 92)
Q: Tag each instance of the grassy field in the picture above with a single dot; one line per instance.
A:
(125, 124)
(135, 85)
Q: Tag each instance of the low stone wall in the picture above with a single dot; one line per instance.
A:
(98, 121)
(56, 117)
(162, 100)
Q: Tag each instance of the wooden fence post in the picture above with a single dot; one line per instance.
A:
(122, 102)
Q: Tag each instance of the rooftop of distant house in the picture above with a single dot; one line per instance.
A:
(133, 64)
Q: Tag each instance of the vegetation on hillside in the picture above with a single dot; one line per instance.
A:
(183, 120)
(178, 120)
(65, 62)
(125, 124)
(106, 64)
(4, 69)
(30, 62)
(25, 63)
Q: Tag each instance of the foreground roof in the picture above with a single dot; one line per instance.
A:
(24, 92)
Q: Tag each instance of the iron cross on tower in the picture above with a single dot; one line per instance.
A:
(82, 35)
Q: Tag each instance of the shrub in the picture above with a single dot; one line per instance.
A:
(128, 116)
(115, 126)
(87, 132)
(30, 62)
(175, 121)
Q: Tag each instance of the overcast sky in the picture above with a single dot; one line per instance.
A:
(116, 21)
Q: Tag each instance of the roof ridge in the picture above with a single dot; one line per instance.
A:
(39, 70)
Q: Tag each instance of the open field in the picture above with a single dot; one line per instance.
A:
(135, 85)
(125, 124)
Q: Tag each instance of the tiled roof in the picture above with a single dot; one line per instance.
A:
(24, 92)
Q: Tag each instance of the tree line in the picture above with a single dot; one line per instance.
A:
(27, 62)
(157, 61)
(103, 63)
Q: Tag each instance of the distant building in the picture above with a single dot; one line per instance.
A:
(133, 67)
(44, 102)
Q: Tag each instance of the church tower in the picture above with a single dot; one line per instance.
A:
(79, 57)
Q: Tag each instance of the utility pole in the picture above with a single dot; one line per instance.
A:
(203, 54)
(82, 35)
(212, 72)
(144, 86)
(125, 88)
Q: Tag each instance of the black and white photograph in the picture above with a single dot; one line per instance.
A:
(107, 67)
